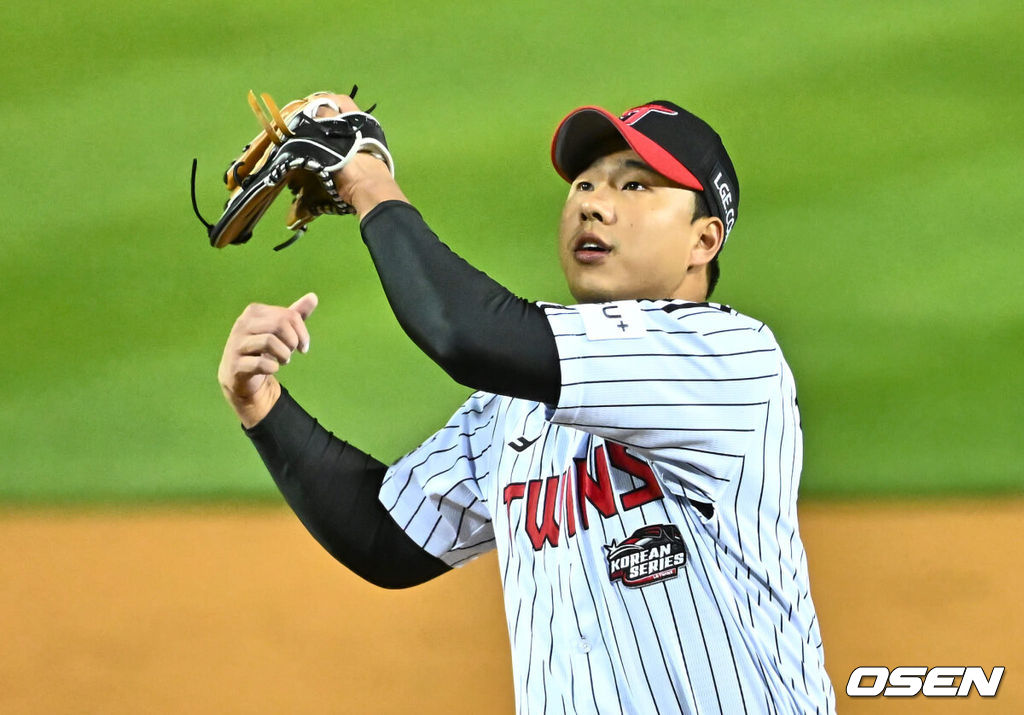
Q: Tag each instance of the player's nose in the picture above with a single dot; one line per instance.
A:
(597, 208)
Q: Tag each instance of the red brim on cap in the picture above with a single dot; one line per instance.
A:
(587, 128)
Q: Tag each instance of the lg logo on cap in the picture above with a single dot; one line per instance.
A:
(908, 681)
(725, 196)
(637, 113)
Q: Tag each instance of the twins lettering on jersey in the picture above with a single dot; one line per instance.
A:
(645, 557)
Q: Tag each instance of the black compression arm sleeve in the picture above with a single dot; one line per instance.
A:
(332, 487)
(475, 329)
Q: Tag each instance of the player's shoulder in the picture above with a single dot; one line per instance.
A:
(718, 328)
(715, 322)
(704, 317)
(678, 310)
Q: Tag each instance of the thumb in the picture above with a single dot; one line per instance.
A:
(305, 305)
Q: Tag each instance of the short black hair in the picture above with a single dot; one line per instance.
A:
(701, 210)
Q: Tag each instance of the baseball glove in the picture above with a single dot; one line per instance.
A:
(298, 150)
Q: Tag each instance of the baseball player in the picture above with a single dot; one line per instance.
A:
(633, 458)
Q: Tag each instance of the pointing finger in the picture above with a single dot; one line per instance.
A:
(304, 306)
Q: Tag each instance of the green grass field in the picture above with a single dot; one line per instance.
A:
(878, 146)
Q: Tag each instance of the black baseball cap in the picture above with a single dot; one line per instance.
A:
(674, 142)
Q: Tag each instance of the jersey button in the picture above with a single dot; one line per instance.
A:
(583, 646)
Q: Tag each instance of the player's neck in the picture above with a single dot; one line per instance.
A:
(694, 289)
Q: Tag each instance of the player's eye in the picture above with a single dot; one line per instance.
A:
(633, 186)
(584, 186)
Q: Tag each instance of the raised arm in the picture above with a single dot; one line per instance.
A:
(480, 333)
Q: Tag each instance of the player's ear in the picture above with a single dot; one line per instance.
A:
(710, 232)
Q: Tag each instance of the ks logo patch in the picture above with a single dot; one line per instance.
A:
(651, 554)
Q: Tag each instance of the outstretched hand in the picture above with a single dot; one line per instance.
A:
(261, 341)
(365, 181)
(345, 104)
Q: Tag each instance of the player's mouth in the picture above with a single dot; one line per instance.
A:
(589, 248)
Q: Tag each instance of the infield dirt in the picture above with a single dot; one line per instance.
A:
(238, 610)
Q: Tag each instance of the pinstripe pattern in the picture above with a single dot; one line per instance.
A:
(704, 406)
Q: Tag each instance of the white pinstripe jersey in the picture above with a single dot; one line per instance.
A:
(645, 527)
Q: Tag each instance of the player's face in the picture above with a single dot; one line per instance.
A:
(627, 232)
